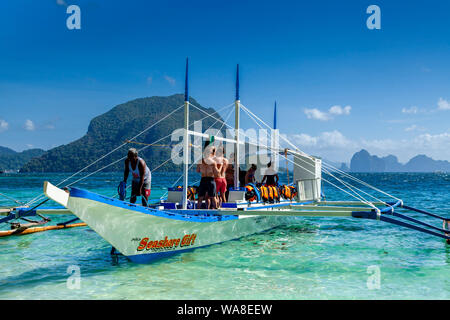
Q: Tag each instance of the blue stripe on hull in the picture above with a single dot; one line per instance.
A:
(191, 215)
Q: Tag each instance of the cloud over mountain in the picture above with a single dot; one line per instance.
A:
(336, 110)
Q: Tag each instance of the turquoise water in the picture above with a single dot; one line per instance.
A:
(308, 258)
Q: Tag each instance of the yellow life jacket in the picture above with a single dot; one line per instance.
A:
(293, 191)
(192, 193)
(276, 194)
(264, 193)
(285, 192)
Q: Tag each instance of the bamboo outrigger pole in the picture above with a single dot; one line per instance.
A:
(28, 229)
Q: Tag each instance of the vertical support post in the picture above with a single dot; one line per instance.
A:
(186, 138)
(274, 144)
(275, 116)
(236, 131)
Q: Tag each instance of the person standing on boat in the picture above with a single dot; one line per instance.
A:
(250, 175)
(271, 176)
(229, 176)
(142, 177)
(208, 169)
(219, 178)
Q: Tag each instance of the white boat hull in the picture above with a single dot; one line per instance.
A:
(144, 234)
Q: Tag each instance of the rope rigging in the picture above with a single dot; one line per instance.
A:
(327, 168)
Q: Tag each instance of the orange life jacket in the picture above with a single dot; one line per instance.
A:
(264, 193)
(250, 193)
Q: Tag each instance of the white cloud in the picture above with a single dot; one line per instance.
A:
(149, 80)
(411, 110)
(336, 110)
(3, 125)
(170, 80)
(61, 3)
(334, 146)
(411, 128)
(430, 141)
(328, 139)
(29, 125)
(316, 114)
(303, 139)
(443, 104)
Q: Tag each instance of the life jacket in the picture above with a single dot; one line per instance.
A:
(276, 194)
(271, 194)
(293, 191)
(252, 193)
(192, 193)
(285, 192)
(265, 197)
(288, 192)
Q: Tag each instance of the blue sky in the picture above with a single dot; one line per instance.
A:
(339, 86)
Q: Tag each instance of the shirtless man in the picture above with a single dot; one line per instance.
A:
(219, 177)
(207, 189)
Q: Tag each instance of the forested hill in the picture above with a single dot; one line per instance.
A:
(109, 130)
(12, 160)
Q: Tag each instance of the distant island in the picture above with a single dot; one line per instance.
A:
(363, 161)
(109, 130)
(12, 161)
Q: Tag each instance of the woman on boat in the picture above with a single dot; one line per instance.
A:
(219, 177)
(271, 176)
(229, 177)
(250, 175)
(142, 177)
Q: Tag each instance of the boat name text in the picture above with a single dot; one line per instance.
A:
(166, 243)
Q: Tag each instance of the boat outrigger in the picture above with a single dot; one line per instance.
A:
(178, 223)
(21, 211)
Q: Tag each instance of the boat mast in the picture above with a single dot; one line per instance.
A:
(236, 131)
(275, 116)
(186, 137)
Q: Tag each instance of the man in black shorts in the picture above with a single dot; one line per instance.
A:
(207, 189)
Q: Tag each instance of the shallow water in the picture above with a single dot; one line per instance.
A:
(308, 258)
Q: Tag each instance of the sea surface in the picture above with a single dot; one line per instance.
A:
(307, 258)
